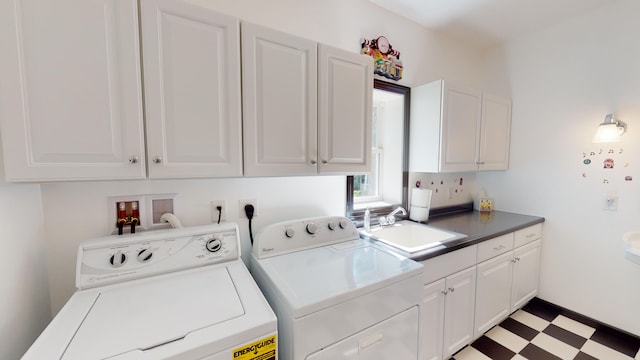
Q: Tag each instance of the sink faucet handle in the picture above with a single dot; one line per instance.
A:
(382, 220)
(391, 219)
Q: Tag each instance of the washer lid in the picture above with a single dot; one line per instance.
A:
(151, 312)
(315, 279)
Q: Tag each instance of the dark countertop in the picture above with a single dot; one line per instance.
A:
(478, 226)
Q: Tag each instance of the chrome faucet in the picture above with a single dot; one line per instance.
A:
(391, 219)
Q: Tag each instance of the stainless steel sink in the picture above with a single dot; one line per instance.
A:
(412, 237)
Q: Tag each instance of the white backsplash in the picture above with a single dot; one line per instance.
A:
(447, 188)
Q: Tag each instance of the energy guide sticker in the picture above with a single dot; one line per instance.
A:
(263, 349)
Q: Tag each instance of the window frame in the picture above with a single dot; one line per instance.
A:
(357, 215)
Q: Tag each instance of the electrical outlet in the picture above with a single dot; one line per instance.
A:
(223, 211)
(242, 203)
(610, 201)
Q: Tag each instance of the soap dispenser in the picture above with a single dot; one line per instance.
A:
(367, 220)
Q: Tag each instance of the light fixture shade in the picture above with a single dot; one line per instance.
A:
(610, 130)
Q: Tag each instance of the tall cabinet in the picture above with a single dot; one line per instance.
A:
(71, 105)
(306, 106)
(456, 128)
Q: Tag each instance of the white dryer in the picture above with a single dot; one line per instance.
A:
(337, 296)
(170, 294)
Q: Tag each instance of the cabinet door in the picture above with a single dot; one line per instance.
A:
(345, 105)
(493, 292)
(192, 90)
(459, 311)
(495, 133)
(280, 112)
(432, 321)
(526, 270)
(460, 128)
(70, 93)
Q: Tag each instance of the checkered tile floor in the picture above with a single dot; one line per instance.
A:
(542, 331)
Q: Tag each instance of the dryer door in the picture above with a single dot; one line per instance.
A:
(392, 339)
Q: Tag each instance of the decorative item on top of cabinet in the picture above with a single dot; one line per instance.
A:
(74, 114)
(456, 128)
(306, 106)
(387, 60)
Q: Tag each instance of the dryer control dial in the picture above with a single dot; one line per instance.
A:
(331, 225)
(145, 255)
(118, 259)
(289, 233)
(213, 244)
(344, 223)
(312, 228)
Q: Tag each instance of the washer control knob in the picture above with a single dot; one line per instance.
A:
(344, 223)
(145, 255)
(213, 244)
(312, 228)
(332, 225)
(289, 233)
(118, 259)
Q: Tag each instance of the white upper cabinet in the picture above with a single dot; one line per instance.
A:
(70, 95)
(495, 133)
(192, 90)
(345, 106)
(280, 106)
(455, 128)
(306, 107)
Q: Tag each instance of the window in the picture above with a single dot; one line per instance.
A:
(386, 186)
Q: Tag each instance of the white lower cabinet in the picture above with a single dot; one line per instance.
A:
(506, 282)
(493, 293)
(459, 307)
(470, 290)
(432, 320)
(448, 304)
(526, 270)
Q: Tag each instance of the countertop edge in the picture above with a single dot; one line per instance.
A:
(471, 239)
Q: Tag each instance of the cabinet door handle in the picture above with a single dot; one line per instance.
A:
(157, 160)
(313, 162)
(324, 161)
(444, 292)
(133, 159)
(498, 248)
(452, 289)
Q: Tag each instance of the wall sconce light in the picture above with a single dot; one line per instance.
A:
(610, 130)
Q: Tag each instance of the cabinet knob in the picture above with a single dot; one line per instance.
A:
(133, 159)
(444, 292)
(452, 289)
(324, 161)
(157, 160)
(313, 162)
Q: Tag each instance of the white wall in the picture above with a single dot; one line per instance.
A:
(77, 211)
(563, 81)
(24, 303)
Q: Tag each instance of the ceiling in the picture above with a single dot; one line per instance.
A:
(489, 22)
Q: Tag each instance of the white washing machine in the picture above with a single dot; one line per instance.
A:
(170, 294)
(337, 296)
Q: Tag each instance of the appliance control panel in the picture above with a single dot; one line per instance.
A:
(116, 259)
(296, 235)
